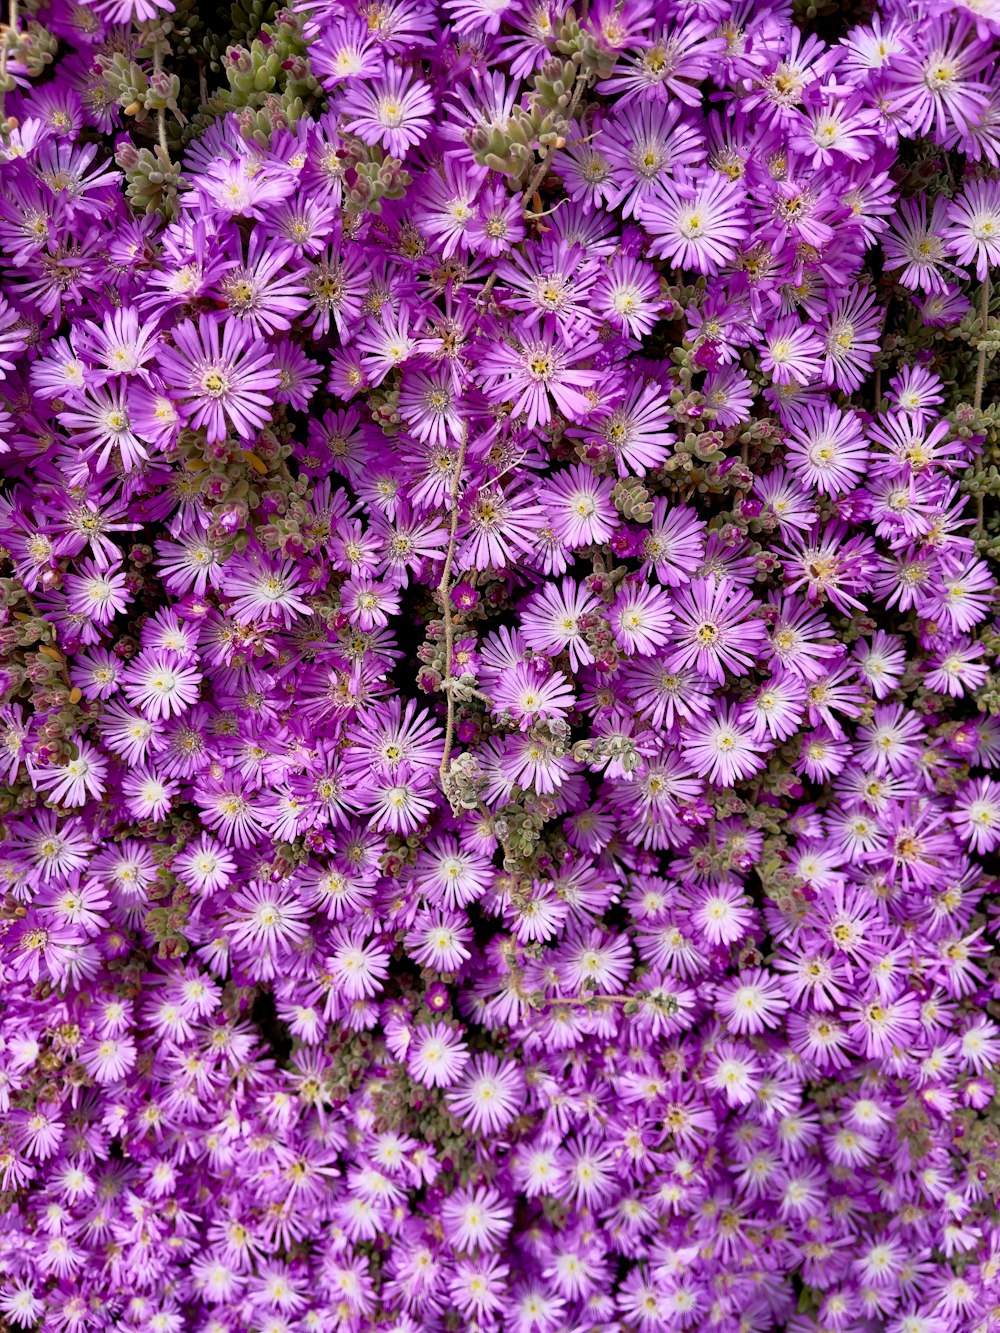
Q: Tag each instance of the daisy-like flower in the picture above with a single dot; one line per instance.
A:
(728, 396)
(835, 125)
(402, 802)
(786, 499)
(580, 507)
(109, 1059)
(205, 866)
(593, 960)
(734, 1070)
(977, 814)
(20, 1304)
(792, 351)
(973, 231)
(647, 144)
(336, 283)
(394, 111)
(189, 565)
(12, 339)
(385, 343)
(669, 64)
(554, 618)
(259, 292)
(429, 404)
(263, 590)
(551, 282)
(159, 687)
(627, 294)
(478, 1288)
(72, 782)
(714, 629)
(499, 526)
(632, 430)
(541, 365)
(723, 913)
(528, 694)
(827, 449)
(438, 940)
(61, 371)
(882, 662)
(368, 603)
(100, 420)
(221, 375)
(266, 920)
(674, 544)
(916, 245)
(126, 733)
(958, 594)
(852, 331)
(939, 81)
(476, 1219)
(148, 794)
(452, 876)
(697, 223)
(226, 808)
(723, 748)
(122, 343)
(777, 708)
(358, 965)
(956, 669)
(917, 392)
(640, 618)
(98, 592)
(436, 1055)
(488, 1096)
(751, 1002)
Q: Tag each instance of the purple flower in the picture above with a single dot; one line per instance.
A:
(220, 375)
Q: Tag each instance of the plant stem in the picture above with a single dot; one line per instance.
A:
(984, 315)
(977, 399)
(444, 591)
(539, 173)
(161, 115)
(586, 998)
(451, 685)
(11, 31)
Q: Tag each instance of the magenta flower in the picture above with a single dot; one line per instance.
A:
(640, 618)
(498, 635)
(715, 630)
(723, 749)
(696, 222)
(221, 375)
(973, 231)
(394, 112)
(536, 366)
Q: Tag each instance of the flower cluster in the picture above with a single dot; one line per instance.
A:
(498, 617)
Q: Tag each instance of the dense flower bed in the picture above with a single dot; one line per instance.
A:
(498, 696)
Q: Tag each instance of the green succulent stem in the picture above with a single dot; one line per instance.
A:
(538, 175)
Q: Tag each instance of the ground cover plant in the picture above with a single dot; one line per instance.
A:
(498, 617)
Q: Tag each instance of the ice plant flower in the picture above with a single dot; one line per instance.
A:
(222, 375)
(498, 667)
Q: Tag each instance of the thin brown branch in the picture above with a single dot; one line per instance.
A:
(444, 591)
(984, 316)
